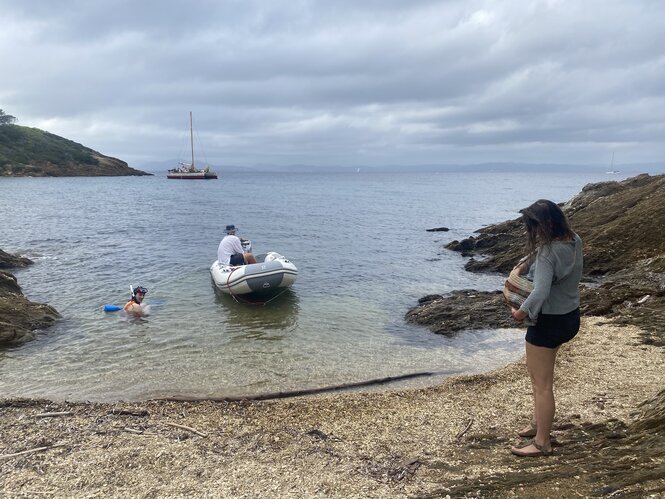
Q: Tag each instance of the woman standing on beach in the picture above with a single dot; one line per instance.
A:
(555, 266)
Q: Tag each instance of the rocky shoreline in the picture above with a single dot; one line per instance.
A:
(449, 440)
(19, 317)
(621, 224)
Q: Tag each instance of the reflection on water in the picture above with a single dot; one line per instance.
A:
(260, 316)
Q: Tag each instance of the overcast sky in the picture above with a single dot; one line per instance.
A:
(337, 82)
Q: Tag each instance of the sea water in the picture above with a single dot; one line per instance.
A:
(360, 243)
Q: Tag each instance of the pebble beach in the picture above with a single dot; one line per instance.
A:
(452, 439)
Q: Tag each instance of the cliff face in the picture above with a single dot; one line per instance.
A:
(30, 152)
(621, 224)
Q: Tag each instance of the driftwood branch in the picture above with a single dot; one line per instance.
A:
(30, 451)
(139, 432)
(461, 433)
(299, 393)
(193, 430)
(126, 412)
(54, 414)
(132, 430)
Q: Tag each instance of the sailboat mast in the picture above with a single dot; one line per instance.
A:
(191, 136)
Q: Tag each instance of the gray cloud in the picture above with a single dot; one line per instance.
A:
(342, 83)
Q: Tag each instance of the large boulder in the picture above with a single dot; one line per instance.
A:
(461, 310)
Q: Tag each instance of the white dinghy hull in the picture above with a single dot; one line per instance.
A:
(270, 273)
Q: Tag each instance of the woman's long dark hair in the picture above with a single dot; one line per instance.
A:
(544, 222)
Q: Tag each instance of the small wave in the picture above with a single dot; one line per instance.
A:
(35, 257)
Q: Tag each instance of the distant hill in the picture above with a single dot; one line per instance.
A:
(31, 152)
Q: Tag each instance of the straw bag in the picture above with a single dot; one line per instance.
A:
(517, 288)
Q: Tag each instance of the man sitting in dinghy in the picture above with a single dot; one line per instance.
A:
(230, 251)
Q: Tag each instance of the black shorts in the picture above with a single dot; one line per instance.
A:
(237, 259)
(552, 330)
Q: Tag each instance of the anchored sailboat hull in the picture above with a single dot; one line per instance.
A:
(192, 176)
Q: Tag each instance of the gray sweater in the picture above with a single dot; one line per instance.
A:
(556, 274)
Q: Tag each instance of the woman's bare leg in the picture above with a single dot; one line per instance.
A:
(540, 364)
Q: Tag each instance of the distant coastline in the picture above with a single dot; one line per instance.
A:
(161, 167)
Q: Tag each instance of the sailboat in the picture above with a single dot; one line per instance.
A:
(611, 171)
(188, 171)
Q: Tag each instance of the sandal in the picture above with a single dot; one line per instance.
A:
(528, 432)
(531, 431)
(541, 450)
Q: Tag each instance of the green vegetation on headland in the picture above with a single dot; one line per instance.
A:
(31, 152)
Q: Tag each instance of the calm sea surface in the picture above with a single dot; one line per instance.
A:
(359, 242)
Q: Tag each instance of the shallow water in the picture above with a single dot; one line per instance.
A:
(360, 244)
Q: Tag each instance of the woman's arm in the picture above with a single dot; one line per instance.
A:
(542, 284)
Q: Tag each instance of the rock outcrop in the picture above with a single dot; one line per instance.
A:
(102, 166)
(8, 261)
(621, 224)
(19, 317)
